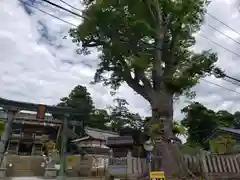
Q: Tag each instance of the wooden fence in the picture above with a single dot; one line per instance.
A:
(214, 166)
(208, 166)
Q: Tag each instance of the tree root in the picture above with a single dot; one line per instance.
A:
(184, 170)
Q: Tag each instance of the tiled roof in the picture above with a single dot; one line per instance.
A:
(221, 129)
(99, 134)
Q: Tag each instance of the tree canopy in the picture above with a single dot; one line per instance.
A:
(121, 117)
(201, 121)
(146, 44)
(125, 32)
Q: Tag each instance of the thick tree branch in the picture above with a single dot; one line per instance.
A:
(140, 76)
(157, 63)
(142, 90)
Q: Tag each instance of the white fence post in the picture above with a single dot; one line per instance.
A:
(129, 163)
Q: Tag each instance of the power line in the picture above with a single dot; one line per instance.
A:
(223, 87)
(232, 82)
(48, 13)
(219, 45)
(65, 9)
(70, 5)
(229, 37)
(222, 23)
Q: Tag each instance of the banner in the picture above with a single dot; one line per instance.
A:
(157, 175)
(70, 162)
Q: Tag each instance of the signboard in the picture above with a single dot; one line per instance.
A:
(157, 175)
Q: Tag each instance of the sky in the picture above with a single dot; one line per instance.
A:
(38, 64)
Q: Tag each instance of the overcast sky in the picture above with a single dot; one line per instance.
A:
(38, 65)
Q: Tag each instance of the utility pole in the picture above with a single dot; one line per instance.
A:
(63, 163)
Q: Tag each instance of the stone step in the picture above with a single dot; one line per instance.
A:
(22, 173)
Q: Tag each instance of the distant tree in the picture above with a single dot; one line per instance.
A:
(225, 118)
(99, 118)
(119, 114)
(81, 101)
(122, 118)
(201, 121)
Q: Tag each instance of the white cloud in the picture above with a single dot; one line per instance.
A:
(35, 69)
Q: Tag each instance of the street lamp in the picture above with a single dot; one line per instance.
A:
(148, 146)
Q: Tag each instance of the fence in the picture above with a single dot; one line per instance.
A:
(129, 166)
(214, 166)
(208, 166)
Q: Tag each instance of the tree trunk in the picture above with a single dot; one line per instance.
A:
(162, 117)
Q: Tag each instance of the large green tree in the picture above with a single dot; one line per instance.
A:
(99, 118)
(201, 121)
(147, 44)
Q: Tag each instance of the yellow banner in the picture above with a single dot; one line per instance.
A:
(70, 162)
(157, 175)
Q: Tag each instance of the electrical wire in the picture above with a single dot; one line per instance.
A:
(23, 2)
(223, 23)
(65, 9)
(231, 81)
(219, 45)
(223, 87)
(229, 37)
(70, 5)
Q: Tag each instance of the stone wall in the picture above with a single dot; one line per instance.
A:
(24, 166)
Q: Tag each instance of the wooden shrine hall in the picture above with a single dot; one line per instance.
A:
(28, 131)
(25, 135)
(28, 134)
